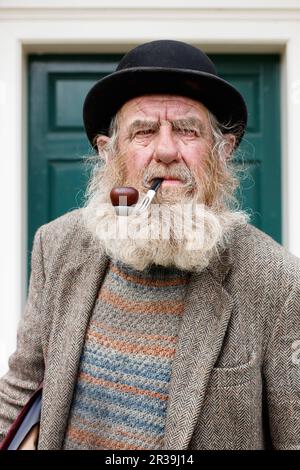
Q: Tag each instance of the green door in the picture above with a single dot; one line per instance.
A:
(257, 78)
(57, 142)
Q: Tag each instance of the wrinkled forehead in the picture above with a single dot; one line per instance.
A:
(162, 107)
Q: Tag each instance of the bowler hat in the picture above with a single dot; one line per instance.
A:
(168, 67)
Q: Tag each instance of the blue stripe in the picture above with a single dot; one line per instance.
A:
(89, 368)
(94, 411)
(153, 406)
(121, 362)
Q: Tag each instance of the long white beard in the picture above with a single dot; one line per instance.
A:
(185, 236)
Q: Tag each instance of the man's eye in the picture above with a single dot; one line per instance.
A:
(188, 132)
(144, 132)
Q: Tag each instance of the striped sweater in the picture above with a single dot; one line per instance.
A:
(120, 399)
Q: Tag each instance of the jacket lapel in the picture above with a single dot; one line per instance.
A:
(207, 312)
(75, 296)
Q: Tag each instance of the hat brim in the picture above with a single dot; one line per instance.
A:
(109, 94)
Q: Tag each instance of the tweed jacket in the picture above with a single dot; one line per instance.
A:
(235, 380)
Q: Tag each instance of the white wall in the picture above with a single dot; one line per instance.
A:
(117, 25)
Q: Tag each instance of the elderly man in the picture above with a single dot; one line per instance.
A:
(184, 338)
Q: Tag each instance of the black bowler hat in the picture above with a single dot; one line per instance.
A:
(168, 67)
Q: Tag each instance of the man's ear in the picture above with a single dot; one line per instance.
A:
(101, 142)
(229, 147)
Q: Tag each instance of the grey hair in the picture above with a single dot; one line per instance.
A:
(229, 158)
(112, 144)
(93, 164)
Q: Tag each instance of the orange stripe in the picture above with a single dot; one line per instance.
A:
(152, 442)
(82, 436)
(112, 329)
(121, 387)
(148, 282)
(126, 347)
(140, 307)
(119, 430)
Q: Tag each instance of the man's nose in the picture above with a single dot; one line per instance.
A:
(166, 148)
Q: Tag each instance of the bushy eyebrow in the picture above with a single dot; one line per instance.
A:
(140, 124)
(189, 123)
(177, 124)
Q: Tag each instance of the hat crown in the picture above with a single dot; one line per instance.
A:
(167, 54)
(163, 67)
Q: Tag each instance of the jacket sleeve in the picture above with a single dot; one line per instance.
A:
(26, 364)
(282, 376)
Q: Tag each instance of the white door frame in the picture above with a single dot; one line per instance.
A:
(81, 26)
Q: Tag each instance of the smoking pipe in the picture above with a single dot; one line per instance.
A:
(124, 198)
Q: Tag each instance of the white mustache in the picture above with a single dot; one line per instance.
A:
(185, 181)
